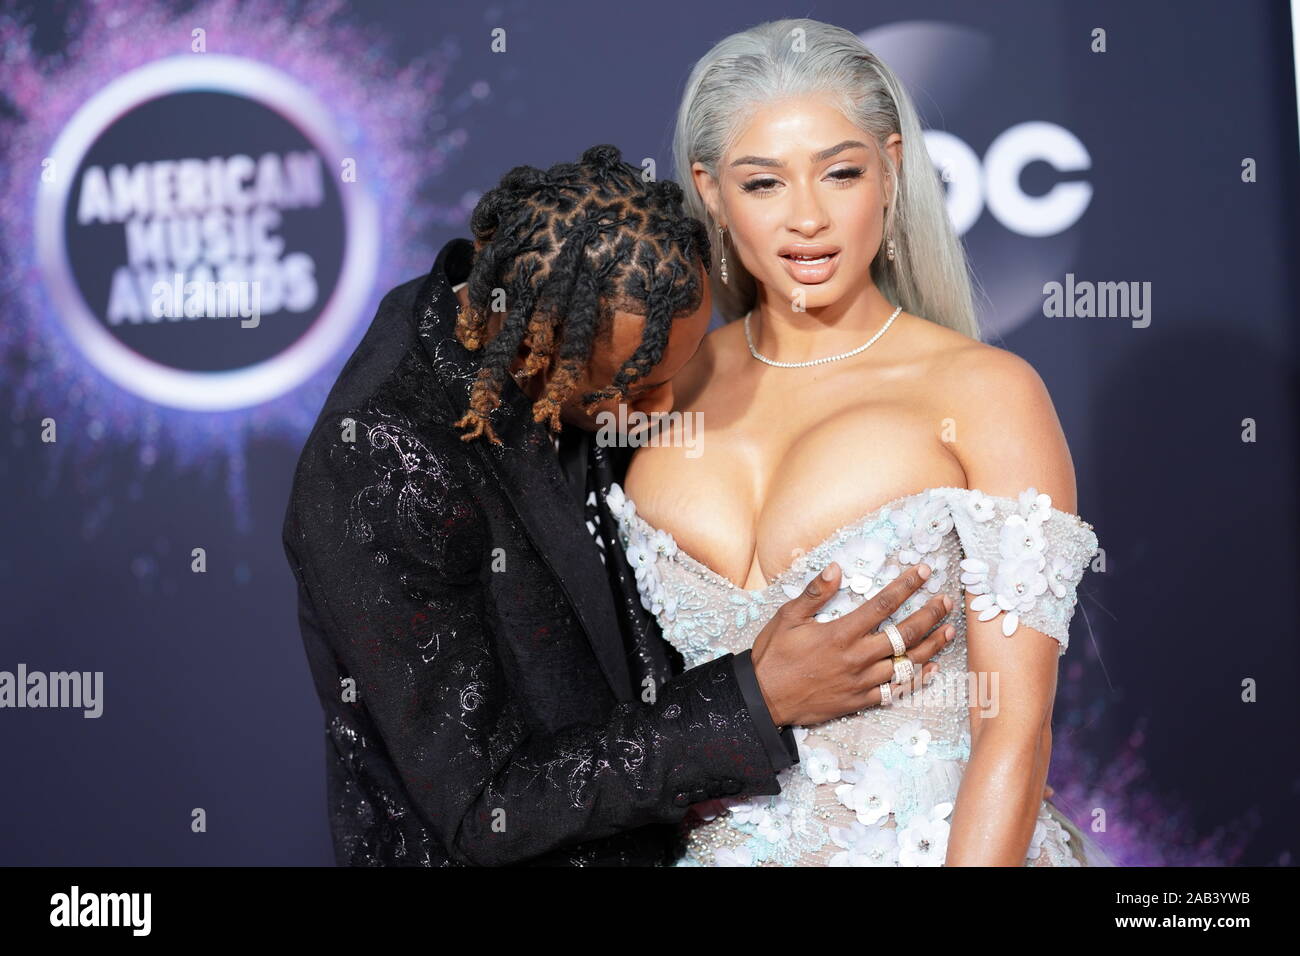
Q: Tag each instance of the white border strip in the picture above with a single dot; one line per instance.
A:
(1295, 48)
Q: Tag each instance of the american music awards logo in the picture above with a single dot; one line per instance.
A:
(199, 233)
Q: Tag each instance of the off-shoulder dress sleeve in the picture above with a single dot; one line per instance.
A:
(1023, 559)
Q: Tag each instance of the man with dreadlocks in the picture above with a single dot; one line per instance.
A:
(494, 691)
(567, 249)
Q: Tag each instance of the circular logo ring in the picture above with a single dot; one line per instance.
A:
(159, 383)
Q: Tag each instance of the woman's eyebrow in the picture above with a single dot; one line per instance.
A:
(816, 157)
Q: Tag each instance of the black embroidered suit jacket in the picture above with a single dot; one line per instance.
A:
(493, 693)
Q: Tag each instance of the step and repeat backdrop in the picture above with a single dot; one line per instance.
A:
(1135, 153)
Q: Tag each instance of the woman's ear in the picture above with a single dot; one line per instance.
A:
(894, 146)
(707, 187)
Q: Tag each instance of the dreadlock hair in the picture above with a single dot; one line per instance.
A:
(569, 247)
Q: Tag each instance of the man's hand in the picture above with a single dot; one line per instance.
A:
(810, 672)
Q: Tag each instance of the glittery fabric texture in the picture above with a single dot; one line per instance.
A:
(876, 788)
(493, 693)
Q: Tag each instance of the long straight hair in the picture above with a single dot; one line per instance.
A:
(929, 276)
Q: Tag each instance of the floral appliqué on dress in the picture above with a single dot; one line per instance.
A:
(876, 788)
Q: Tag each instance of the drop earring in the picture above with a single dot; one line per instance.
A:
(889, 240)
(722, 254)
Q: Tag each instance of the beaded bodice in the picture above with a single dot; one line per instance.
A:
(875, 788)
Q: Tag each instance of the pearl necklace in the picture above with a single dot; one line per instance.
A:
(821, 361)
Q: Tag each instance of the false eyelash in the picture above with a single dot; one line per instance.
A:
(848, 174)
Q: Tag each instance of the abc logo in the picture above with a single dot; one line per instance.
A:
(995, 183)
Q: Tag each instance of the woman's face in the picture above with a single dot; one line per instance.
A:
(802, 181)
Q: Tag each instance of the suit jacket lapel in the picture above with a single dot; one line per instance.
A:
(644, 646)
(528, 470)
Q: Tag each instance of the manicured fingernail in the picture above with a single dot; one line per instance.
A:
(828, 572)
(924, 571)
(949, 633)
(947, 603)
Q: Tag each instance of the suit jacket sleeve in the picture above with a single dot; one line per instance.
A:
(394, 562)
(779, 742)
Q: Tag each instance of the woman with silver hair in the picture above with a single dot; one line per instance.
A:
(850, 374)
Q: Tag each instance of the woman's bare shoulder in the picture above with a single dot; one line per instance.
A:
(991, 377)
(1007, 431)
(962, 369)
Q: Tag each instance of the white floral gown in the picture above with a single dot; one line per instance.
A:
(876, 788)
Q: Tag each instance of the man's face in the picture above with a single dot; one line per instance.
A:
(654, 392)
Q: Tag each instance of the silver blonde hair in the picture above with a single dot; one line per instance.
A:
(929, 276)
